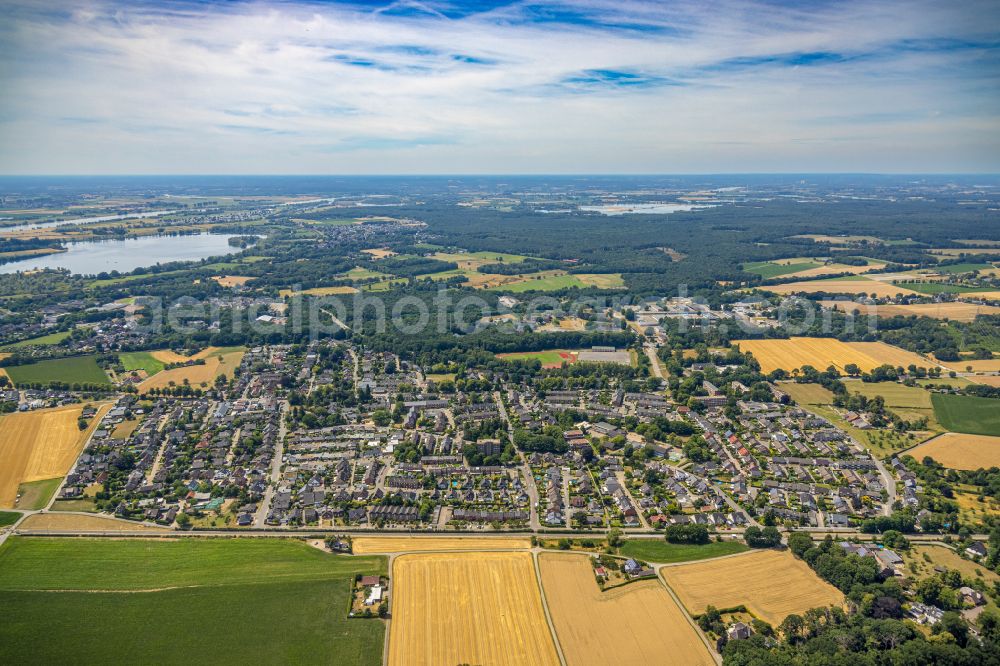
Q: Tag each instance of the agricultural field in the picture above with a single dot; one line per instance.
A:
(932, 288)
(145, 361)
(634, 624)
(44, 340)
(853, 286)
(319, 291)
(66, 522)
(379, 252)
(967, 414)
(661, 552)
(908, 402)
(821, 352)
(365, 545)
(977, 365)
(218, 361)
(952, 311)
(961, 451)
(472, 608)
(921, 561)
(32, 495)
(773, 269)
(8, 518)
(295, 597)
(231, 281)
(749, 580)
(71, 370)
(40, 445)
(553, 281)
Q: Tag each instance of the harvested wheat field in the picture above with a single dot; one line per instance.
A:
(41, 444)
(319, 291)
(379, 252)
(979, 365)
(953, 311)
(73, 522)
(364, 545)
(231, 280)
(468, 608)
(880, 289)
(821, 352)
(771, 584)
(961, 451)
(217, 362)
(988, 380)
(835, 269)
(635, 624)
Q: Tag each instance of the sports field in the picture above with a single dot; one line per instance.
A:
(552, 358)
(364, 545)
(821, 352)
(960, 451)
(72, 370)
(468, 608)
(180, 602)
(634, 624)
(38, 445)
(968, 414)
(770, 583)
(218, 361)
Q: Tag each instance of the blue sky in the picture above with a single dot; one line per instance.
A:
(580, 86)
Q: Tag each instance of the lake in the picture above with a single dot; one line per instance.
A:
(84, 220)
(644, 208)
(92, 257)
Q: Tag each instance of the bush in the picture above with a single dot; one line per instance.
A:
(687, 534)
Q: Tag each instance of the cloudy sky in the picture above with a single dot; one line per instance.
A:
(598, 86)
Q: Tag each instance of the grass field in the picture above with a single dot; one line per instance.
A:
(968, 414)
(141, 361)
(36, 494)
(634, 624)
(9, 518)
(661, 552)
(771, 584)
(908, 402)
(231, 281)
(553, 282)
(921, 560)
(319, 291)
(218, 361)
(44, 340)
(363, 545)
(553, 358)
(72, 370)
(931, 288)
(39, 445)
(961, 451)
(821, 352)
(770, 269)
(471, 608)
(290, 602)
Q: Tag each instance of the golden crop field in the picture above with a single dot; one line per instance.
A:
(770, 583)
(64, 522)
(231, 280)
(981, 295)
(961, 451)
(365, 545)
(41, 444)
(379, 252)
(952, 310)
(880, 289)
(196, 375)
(468, 608)
(989, 380)
(636, 624)
(983, 365)
(319, 291)
(835, 269)
(822, 352)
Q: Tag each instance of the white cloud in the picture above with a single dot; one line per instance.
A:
(584, 86)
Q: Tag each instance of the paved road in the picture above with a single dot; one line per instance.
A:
(890, 486)
(529, 479)
(279, 452)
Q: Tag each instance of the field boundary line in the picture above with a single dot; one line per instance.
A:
(687, 615)
(545, 606)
